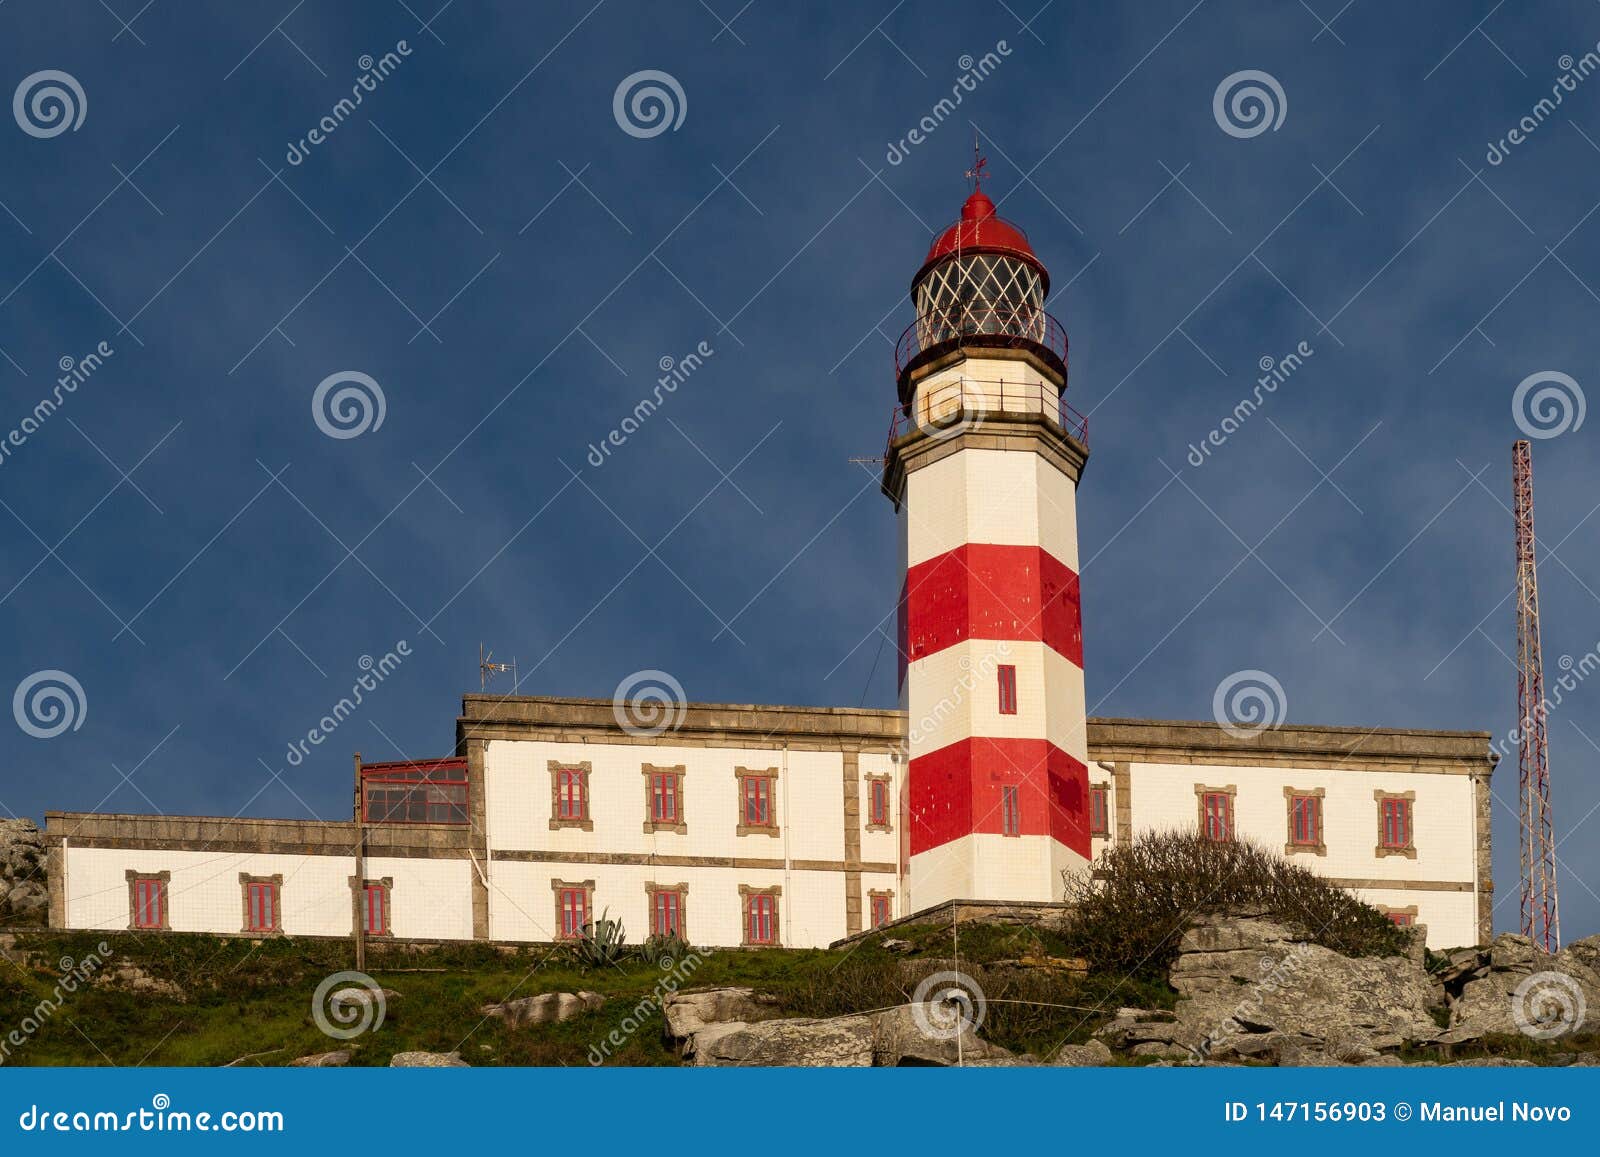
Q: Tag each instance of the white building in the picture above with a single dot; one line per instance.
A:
(748, 825)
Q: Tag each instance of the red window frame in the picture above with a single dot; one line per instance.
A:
(1402, 919)
(573, 911)
(761, 918)
(878, 803)
(1010, 810)
(664, 808)
(375, 909)
(880, 911)
(261, 905)
(758, 792)
(572, 794)
(1099, 810)
(149, 902)
(1007, 678)
(1395, 828)
(666, 913)
(1216, 808)
(1305, 821)
(416, 792)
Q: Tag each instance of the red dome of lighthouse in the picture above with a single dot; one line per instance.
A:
(980, 230)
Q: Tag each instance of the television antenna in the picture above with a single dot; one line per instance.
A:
(488, 669)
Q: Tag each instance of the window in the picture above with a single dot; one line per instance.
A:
(1008, 690)
(572, 801)
(882, 908)
(758, 801)
(1394, 823)
(572, 908)
(1099, 812)
(428, 792)
(878, 804)
(261, 912)
(663, 799)
(569, 796)
(1010, 810)
(375, 907)
(147, 900)
(1402, 918)
(760, 915)
(1216, 815)
(666, 909)
(1305, 821)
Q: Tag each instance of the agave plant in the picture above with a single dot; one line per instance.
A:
(664, 951)
(603, 942)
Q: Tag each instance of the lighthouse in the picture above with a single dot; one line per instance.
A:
(982, 466)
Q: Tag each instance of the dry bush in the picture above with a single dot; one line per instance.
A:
(1130, 912)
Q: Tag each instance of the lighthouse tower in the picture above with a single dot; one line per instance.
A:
(983, 464)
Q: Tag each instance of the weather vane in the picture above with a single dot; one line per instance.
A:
(979, 164)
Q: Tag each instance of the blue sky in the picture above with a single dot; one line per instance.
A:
(483, 240)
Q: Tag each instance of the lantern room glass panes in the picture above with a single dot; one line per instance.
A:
(982, 293)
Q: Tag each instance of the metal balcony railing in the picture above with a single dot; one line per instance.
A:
(980, 326)
(964, 403)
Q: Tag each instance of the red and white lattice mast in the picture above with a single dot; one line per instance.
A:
(1540, 917)
(983, 464)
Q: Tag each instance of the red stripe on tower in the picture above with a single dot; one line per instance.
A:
(1004, 593)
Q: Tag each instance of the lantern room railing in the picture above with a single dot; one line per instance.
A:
(965, 403)
(1008, 327)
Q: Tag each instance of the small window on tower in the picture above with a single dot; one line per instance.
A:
(1010, 810)
(1008, 690)
(1099, 813)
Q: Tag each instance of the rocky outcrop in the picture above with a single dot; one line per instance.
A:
(333, 1060)
(1253, 990)
(24, 896)
(737, 1026)
(427, 1061)
(1511, 985)
(688, 1013)
(546, 1008)
(126, 975)
(894, 1037)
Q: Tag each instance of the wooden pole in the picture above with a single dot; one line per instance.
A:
(360, 897)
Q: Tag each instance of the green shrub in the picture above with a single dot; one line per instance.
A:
(602, 942)
(1131, 910)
